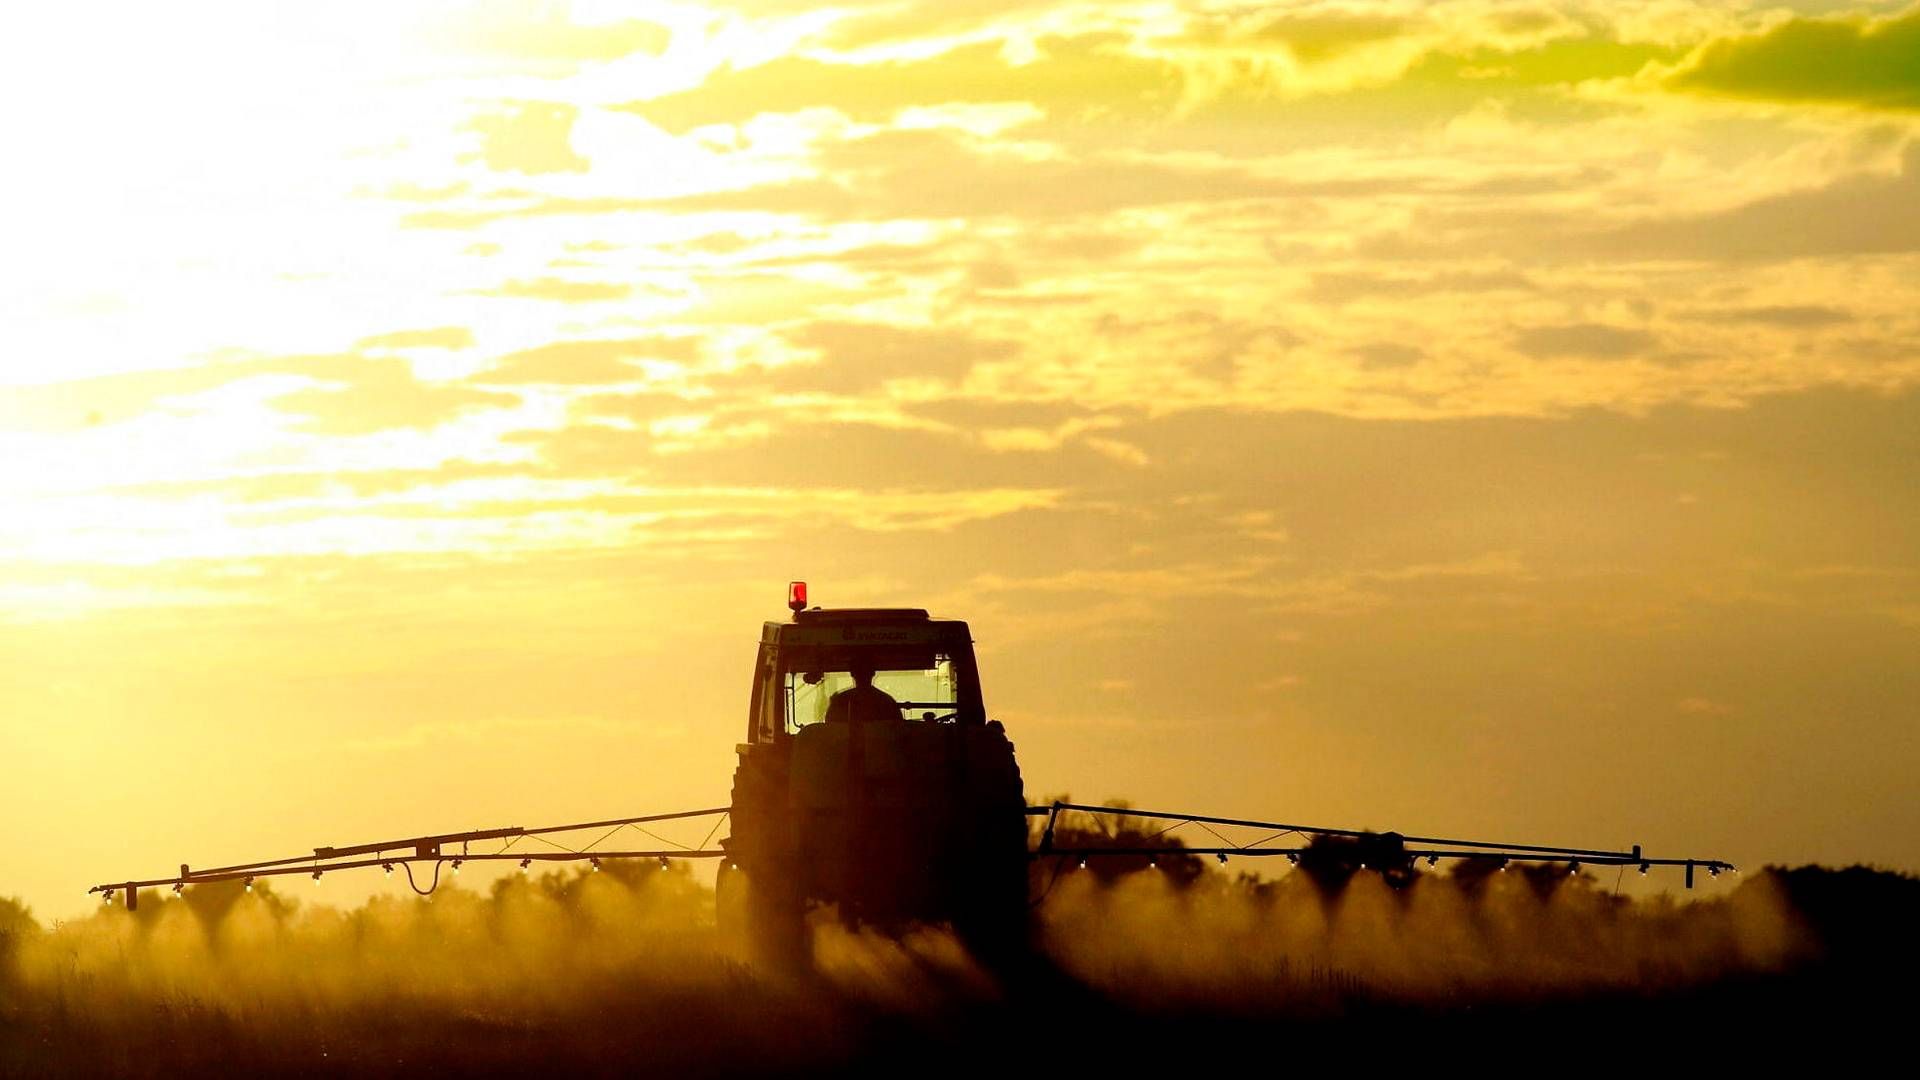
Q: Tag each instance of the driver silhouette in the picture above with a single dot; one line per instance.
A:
(862, 702)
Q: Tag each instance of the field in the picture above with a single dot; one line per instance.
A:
(623, 972)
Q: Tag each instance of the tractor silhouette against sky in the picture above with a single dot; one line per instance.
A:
(872, 784)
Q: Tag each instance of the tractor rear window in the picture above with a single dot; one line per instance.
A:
(922, 694)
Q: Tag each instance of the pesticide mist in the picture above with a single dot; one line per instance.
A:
(627, 965)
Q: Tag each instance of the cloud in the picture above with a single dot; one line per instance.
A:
(1595, 341)
(560, 289)
(1317, 36)
(545, 36)
(1207, 343)
(1171, 65)
(974, 412)
(851, 173)
(529, 137)
(1388, 354)
(359, 396)
(1857, 215)
(804, 443)
(857, 356)
(936, 174)
(1259, 584)
(1789, 316)
(1856, 212)
(440, 337)
(75, 404)
(588, 362)
(1035, 439)
(1846, 60)
(631, 411)
(1083, 76)
(1344, 286)
(358, 393)
(897, 21)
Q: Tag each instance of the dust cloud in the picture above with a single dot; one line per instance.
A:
(620, 965)
(545, 943)
(590, 970)
(1225, 942)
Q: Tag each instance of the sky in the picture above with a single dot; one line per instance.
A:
(1485, 418)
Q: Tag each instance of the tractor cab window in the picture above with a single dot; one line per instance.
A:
(924, 687)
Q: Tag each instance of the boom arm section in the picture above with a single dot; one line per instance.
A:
(438, 848)
(1388, 845)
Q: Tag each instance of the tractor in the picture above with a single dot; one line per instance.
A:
(871, 787)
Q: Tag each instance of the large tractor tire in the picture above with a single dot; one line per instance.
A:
(758, 896)
(991, 907)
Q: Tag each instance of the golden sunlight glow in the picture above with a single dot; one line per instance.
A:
(1305, 402)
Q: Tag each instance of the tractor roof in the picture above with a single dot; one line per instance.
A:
(861, 614)
(864, 626)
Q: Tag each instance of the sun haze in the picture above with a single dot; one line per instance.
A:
(1491, 418)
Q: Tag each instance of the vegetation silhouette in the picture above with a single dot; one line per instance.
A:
(1332, 861)
(1859, 918)
(1078, 831)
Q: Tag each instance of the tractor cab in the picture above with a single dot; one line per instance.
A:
(925, 665)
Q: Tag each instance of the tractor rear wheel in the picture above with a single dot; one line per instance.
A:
(758, 890)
